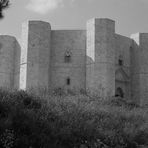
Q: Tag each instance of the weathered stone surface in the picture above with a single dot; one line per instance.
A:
(100, 52)
(140, 69)
(72, 41)
(122, 51)
(35, 55)
(9, 62)
(98, 59)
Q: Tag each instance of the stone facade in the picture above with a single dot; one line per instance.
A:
(97, 59)
(100, 69)
(9, 62)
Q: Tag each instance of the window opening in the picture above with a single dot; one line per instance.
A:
(120, 62)
(68, 81)
(67, 57)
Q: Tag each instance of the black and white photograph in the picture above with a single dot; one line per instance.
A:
(73, 73)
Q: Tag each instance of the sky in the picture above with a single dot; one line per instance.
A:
(131, 16)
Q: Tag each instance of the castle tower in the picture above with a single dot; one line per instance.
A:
(140, 68)
(35, 55)
(100, 52)
(9, 62)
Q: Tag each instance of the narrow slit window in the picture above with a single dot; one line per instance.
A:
(68, 81)
(67, 58)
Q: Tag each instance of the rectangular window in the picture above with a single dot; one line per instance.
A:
(67, 59)
(68, 81)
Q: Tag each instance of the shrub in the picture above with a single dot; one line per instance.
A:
(69, 120)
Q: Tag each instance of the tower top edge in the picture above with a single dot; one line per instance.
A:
(101, 19)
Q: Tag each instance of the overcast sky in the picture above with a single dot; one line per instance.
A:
(131, 16)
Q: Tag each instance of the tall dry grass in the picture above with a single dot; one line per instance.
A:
(43, 119)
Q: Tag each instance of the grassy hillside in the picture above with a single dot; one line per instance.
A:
(70, 120)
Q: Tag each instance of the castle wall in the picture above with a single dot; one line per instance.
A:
(23, 59)
(141, 39)
(90, 55)
(9, 62)
(135, 68)
(72, 41)
(122, 51)
(100, 71)
(35, 58)
(94, 59)
(17, 56)
(144, 68)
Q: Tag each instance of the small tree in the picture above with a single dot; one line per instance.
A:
(3, 5)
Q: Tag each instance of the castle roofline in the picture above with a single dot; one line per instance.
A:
(8, 36)
(138, 33)
(107, 19)
(36, 21)
(5, 35)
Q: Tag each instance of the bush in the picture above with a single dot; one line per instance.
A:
(68, 121)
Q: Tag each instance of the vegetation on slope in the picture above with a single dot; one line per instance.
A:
(69, 121)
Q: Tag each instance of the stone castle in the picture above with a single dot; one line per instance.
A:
(95, 58)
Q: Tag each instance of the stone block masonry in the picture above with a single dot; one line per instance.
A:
(97, 59)
(100, 69)
(9, 62)
(35, 55)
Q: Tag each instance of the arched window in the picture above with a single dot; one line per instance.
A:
(120, 62)
(67, 57)
(119, 92)
(68, 81)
